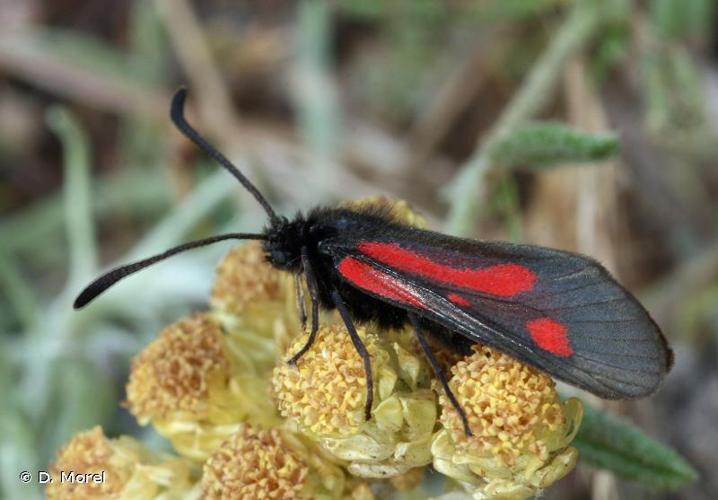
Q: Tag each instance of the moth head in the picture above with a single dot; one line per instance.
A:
(283, 243)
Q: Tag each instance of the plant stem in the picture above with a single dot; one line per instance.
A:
(468, 190)
(78, 210)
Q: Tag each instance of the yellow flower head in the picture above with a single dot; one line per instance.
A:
(521, 430)
(326, 392)
(245, 278)
(175, 372)
(185, 382)
(258, 463)
(254, 464)
(325, 395)
(126, 470)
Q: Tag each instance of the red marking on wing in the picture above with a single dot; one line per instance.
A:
(458, 299)
(550, 336)
(373, 280)
(503, 280)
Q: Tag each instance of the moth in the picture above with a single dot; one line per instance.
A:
(558, 311)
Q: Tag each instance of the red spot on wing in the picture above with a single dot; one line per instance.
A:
(503, 280)
(375, 281)
(550, 335)
(458, 299)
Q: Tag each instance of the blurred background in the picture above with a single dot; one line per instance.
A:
(583, 125)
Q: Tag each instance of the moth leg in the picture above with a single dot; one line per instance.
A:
(438, 372)
(314, 296)
(361, 350)
(299, 289)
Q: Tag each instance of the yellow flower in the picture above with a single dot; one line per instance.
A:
(126, 470)
(521, 430)
(324, 397)
(186, 383)
(256, 304)
(257, 463)
(397, 210)
(245, 279)
(326, 392)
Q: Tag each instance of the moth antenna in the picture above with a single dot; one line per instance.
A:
(177, 115)
(111, 277)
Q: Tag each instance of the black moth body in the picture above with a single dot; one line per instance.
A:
(558, 311)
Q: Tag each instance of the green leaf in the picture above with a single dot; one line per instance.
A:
(613, 443)
(546, 144)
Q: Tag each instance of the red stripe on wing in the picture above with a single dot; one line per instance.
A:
(551, 336)
(373, 280)
(503, 280)
(458, 299)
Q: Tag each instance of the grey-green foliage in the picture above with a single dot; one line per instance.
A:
(17, 453)
(139, 190)
(546, 144)
(612, 443)
(682, 19)
(672, 87)
(394, 82)
(76, 186)
(88, 52)
(88, 398)
(613, 46)
(673, 92)
(315, 97)
(125, 194)
(399, 80)
(474, 11)
(142, 142)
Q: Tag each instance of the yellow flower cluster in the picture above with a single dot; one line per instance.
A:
(245, 281)
(176, 371)
(326, 391)
(254, 464)
(521, 430)
(122, 468)
(186, 383)
(325, 395)
(246, 424)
